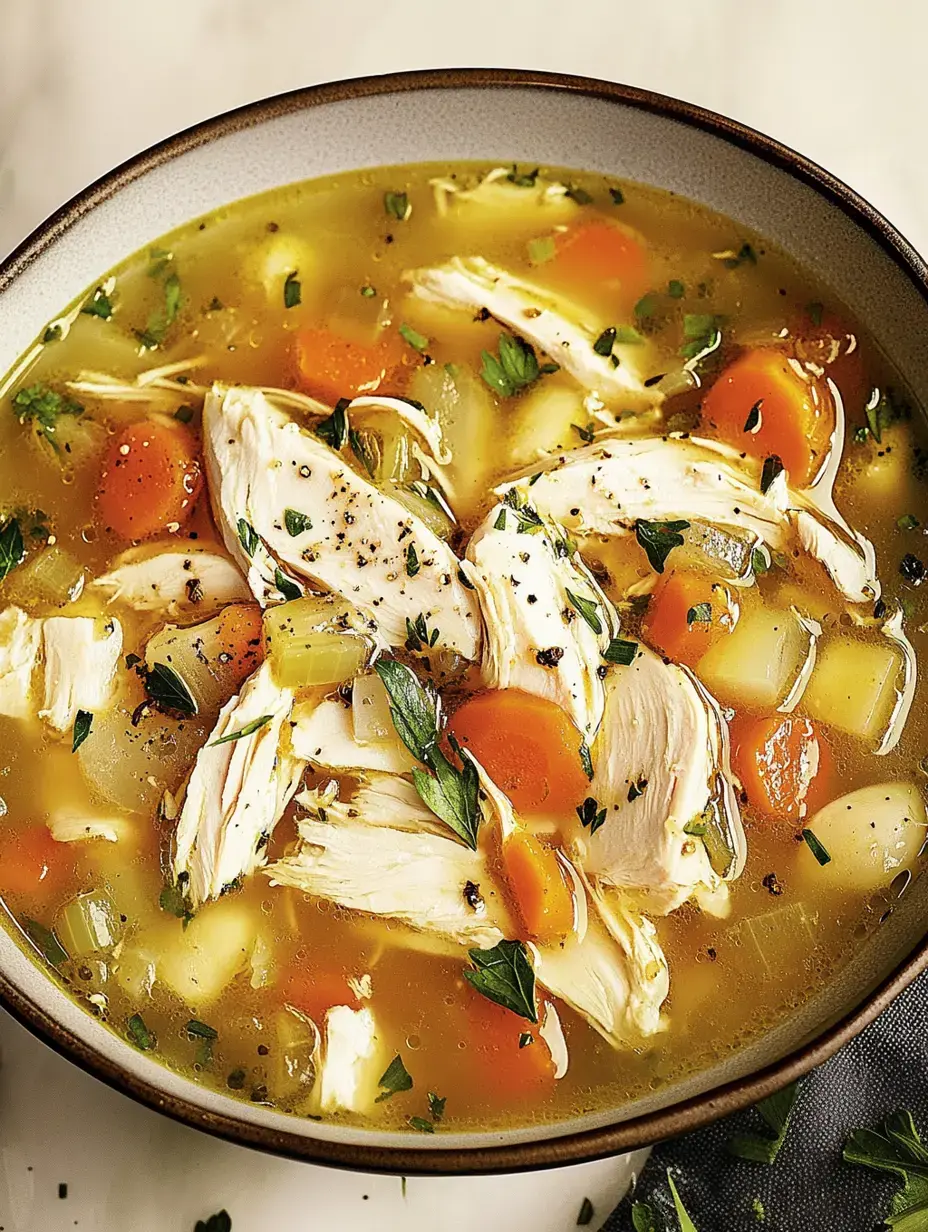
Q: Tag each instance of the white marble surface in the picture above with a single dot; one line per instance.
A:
(86, 83)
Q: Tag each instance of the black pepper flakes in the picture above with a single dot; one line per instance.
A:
(550, 657)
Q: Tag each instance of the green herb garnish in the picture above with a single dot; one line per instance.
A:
(53, 333)
(99, 305)
(286, 586)
(504, 974)
(659, 539)
(618, 197)
(396, 205)
(44, 407)
(541, 249)
(437, 1105)
(745, 253)
(637, 789)
(12, 548)
(248, 730)
(163, 318)
(699, 614)
(139, 1034)
(167, 691)
(620, 651)
(293, 290)
(219, 1222)
(417, 341)
(525, 179)
(580, 195)
(772, 467)
(605, 342)
(297, 523)
(368, 291)
(395, 1078)
(676, 289)
(647, 306)
(817, 847)
(515, 367)
(586, 432)
(83, 721)
(334, 428)
(586, 759)
(420, 1123)
(775, 1111)
(701, 334)
(587, 609)
(897, 1148)
(587, 1211)
(885, 408)
(412, 561)
(247, 537)
(591, 815)
(627, 335)
(643, 1217)
(908, 521)
(173, 900)
(45, 942)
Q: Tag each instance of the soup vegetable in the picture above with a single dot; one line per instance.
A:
(445, 674)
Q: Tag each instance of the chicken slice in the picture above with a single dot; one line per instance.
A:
(557, 326)
(497, 197)
(20, 646)
(323, 734)
(260, 463)
(238, 790)
(605, 488)
(660, 762)
(173, 581)
(431, 883)
(352, 1060)
(380, 800)
(535, 639)
(81, 658)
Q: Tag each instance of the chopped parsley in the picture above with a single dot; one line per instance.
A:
(587, 609)
(523, 179)
(753, 421)
(504, 974)
(659, 539)
(627, 335)
(773, 466)
(585, 432)
(368, 291)
(247, 537)
(99, 305)
(605, 342)
(412, 560)
(643, 1217)
(896, 1148)
(637, 789)
(514, 368)
(420, 1123)
(167, 691)
(396, 205)
(12, 547)
(587, 1211)
(45, 942)
(699, 613)
(580, 195)
(286, 586)
(139, 1034)
(591, 815)
(618, 197)
(334, 428)
(775, 1111)
(732, 259)
(395, 1078)
(760, 561)
(701, 335)
(884, 408)
(647, 306)
(908, 521)
(83, 721)
(437, 1105)
(172, 899)
(53, 333)
(248, 730)
(620, 651)
(817, 847)
(450, 793)
(418, 636)
(297, 523)
(417, 341)
(586, 759)
(293, 290)
(161, 320)
(676, 289)
(44, 407)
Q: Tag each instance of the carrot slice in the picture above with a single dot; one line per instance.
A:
(834, 346)
(688, 614)
(331, 366)
(527, 745)
(495, 1054)
(34, 866)
(600, 254)
(762, 404)
(785, 766)
(150, 480)
(313, 991)
(538, 886)
(239, 640)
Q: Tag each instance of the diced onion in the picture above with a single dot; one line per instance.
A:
(53, 576)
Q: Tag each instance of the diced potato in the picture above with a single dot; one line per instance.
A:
(544, 421)
(759, 662)
(809, 602)
(871, 835)
(200, 961)
(275, 259)
(853, 686)
(884, 477)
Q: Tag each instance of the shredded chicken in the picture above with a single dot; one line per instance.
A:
(20, 647)
(323, 734)
(173, 581)
(352, 1060)
(238, 790)
(81, 659)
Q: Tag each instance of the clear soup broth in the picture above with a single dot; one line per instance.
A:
(458, 640)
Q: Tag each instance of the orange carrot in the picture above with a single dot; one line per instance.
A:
(528, 747)
(331, 366)
(834, 346)
(687, 614)
(150, 480)
(494, 1054)
(239, 640)
(313, 990)
(784, 765)
(764, 405)
(536, 880)
(33, 866)
(602, 255)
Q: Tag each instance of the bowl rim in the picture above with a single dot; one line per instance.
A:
(588, 1145)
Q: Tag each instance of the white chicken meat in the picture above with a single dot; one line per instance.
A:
(20, 647)
(173, 581)
(81, 658)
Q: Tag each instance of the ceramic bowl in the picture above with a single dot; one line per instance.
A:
(505, 116)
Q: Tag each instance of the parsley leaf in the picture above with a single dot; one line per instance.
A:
(699, 614)
(247, 537)
(586, 433)
(417, 341)
(659, 539)
(83, 721)
(591, 815)
(451, 794)
(676, 289)
(286, 586)
(620, 651)
(524, 179)
(586, 759)
(420, 1123)
(99, 305)
(12, 548)
(248, 730)
(219, 1222)
(647, 306)
(885, 408)
(504, 974)
(437, 1105)
(776, 1111)
(45, 942)
(643, 1218)
(334, 429)
(732, 259)
(908, 521)
(412, 561)
(395, 1078)
(605, 342)
(167, 691)
(173, 901)
(296, 523)
(139, 1034)
(396, 205)
(618, 197)
(701, 334)
(44, 407)
(773, 466)
(897, 1148)
(161, 320)
(817, 847)
(513, 369)
(587, 609)
(293, 290)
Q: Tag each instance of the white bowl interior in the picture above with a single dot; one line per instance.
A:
(528, 124)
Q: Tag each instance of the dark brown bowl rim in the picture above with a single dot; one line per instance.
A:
(571, 1148)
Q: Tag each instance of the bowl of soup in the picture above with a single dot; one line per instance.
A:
(461, 622)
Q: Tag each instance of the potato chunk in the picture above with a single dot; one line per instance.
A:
(758, 663)
(853, 686)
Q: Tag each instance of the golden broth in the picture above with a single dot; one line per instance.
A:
(731, 978)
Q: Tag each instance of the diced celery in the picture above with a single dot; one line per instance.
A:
(51, 576)
(292, 1070)
(89, 924)
(316, 640)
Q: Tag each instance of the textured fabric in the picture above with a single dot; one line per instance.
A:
(809, 1188)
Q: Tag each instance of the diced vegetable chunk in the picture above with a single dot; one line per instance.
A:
(783, 763)
(538, 886)
(758, 663)
(688, 615)
(331, 366)
(853, 686)
(596, 254)
(88, 924)
(200, 961)
(315, 641)
(150, 480)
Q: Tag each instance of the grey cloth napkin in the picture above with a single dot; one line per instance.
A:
(809, 1188)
